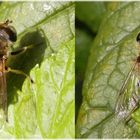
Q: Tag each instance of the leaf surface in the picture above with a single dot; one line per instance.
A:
(113, 54)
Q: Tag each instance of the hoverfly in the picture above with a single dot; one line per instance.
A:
(8, 36)
(129, 95)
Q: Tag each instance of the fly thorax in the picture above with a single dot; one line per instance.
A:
(3, 35)
(3, 48)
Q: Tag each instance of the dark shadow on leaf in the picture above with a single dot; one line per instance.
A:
(25, 61)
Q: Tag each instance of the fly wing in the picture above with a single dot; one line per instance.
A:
(3, 88)
(129, 95)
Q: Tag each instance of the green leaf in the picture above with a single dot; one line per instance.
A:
(50, 106)
(55, 111)
(46, 107)
(113, 54)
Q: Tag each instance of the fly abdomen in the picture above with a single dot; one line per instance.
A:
(3, 89)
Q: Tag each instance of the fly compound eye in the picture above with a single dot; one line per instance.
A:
(138, 38)
(12, 33)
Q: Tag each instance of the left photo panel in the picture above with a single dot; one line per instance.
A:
(37, 69)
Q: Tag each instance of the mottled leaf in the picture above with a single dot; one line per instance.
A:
(113, 54)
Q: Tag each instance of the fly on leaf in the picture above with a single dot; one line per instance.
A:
(8, 35)
(129, 95)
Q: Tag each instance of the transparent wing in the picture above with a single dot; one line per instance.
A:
(129, 95)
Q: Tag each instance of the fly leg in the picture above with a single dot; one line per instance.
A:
(134, 102)
(8, 69)
(128, 118)
(21, 50)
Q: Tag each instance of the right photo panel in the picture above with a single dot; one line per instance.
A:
(107, 69)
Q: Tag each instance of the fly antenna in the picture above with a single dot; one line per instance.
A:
(8, 21)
